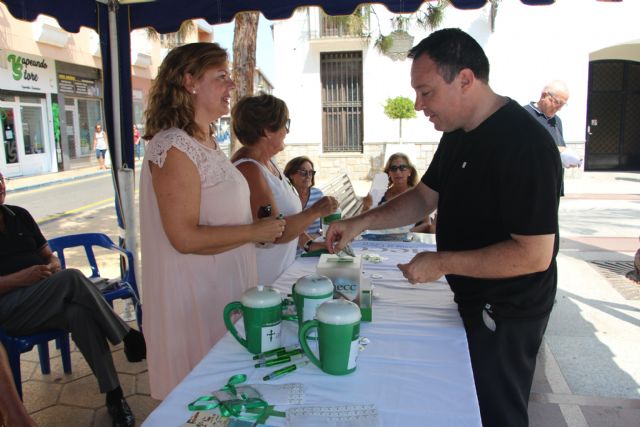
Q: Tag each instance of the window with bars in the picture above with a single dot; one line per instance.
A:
(342, 124)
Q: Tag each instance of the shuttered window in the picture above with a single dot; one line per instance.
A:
(341, 76)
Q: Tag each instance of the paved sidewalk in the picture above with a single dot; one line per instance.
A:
(588, 371)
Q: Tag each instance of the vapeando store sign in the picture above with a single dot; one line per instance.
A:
(26, 73)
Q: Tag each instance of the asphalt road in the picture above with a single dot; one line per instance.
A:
(57, 201)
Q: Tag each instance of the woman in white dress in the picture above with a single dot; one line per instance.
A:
(197, 232)
(261, 123)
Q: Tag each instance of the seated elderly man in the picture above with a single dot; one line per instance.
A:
(36, 295)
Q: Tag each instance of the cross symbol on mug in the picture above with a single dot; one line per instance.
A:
(270, 335)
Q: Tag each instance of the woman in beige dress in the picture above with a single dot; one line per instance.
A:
(197, 230)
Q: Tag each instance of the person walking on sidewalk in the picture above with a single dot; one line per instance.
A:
(36, 295)
(136, 141)
(553, 97)
(100, 145)
(495, 166)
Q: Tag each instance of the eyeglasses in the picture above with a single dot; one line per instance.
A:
(306, 173)
(287, 125)
(395, 168)
(557, 102)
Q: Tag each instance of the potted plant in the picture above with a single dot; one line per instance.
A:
(400, 108)
(397, 44)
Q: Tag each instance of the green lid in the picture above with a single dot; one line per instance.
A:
(314, 285)
(338, 312)
(332, 217)
(261, 297)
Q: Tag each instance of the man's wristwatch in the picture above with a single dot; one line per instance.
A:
(307, 245)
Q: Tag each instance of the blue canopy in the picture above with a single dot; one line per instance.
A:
(114, 20)
(166, 16)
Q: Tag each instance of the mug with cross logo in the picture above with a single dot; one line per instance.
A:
(261, 309)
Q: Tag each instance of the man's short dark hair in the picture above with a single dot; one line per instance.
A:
(453, 50)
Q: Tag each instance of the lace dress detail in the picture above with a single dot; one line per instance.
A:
(212, 164)
(185, 294)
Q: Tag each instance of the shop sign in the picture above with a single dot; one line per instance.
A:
(74, 85)
(26, 73)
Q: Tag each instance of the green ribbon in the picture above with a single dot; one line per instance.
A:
(252, 409)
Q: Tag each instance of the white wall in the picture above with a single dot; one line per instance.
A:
(531, 46)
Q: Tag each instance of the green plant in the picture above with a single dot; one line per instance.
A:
(428, 19)
(355, 24)
(400, 108)
(383, 43)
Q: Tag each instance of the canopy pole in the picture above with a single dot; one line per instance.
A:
(115, 83)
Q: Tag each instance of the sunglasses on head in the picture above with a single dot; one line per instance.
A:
(401, 168)
(305, 173)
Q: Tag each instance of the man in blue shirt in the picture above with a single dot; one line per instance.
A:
(554, 96)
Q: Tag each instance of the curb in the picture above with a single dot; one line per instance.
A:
(55, 181)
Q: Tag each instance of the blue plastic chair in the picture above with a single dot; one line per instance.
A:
(125, 288)
(16, 345)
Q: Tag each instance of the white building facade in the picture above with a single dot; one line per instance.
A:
(336, 87)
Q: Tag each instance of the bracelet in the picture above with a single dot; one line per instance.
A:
(307, 245)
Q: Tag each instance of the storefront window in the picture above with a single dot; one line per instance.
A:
(32, 130)
(7, 123)
(89, 113)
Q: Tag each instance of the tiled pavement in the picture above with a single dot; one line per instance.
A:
(59, 399)
(588, 371)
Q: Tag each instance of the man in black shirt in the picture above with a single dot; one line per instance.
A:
(495, 180)
(36, 295)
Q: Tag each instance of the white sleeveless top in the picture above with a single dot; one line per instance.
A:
(272, 260)
(100, 144)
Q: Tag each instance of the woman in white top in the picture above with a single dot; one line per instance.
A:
(261, 124)
(197, 232)
(100, 145)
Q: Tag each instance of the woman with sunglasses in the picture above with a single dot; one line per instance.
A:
(301, 174)
(402, 176)
(261, 123)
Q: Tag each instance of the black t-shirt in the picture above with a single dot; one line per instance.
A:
(21, 241)
(499, 179)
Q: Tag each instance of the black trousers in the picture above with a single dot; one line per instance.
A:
(68, 301)
(503, 363)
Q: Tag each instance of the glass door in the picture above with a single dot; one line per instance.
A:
(73, 140)
(10, 156)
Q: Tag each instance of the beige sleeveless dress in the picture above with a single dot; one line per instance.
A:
(184, 295)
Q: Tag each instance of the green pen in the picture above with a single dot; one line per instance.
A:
(285, 370)
(277, 361)
(291, 353)
(282, 358)
(279, 351)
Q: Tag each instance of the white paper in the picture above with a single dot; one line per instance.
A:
(378, 188)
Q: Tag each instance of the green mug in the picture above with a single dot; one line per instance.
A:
(326, 220)
(309, 292)
(338, 324)
(261, 309)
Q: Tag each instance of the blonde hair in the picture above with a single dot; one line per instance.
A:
(412, 179)
(170, 103)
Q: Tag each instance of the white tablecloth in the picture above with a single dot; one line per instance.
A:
(416, 369)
